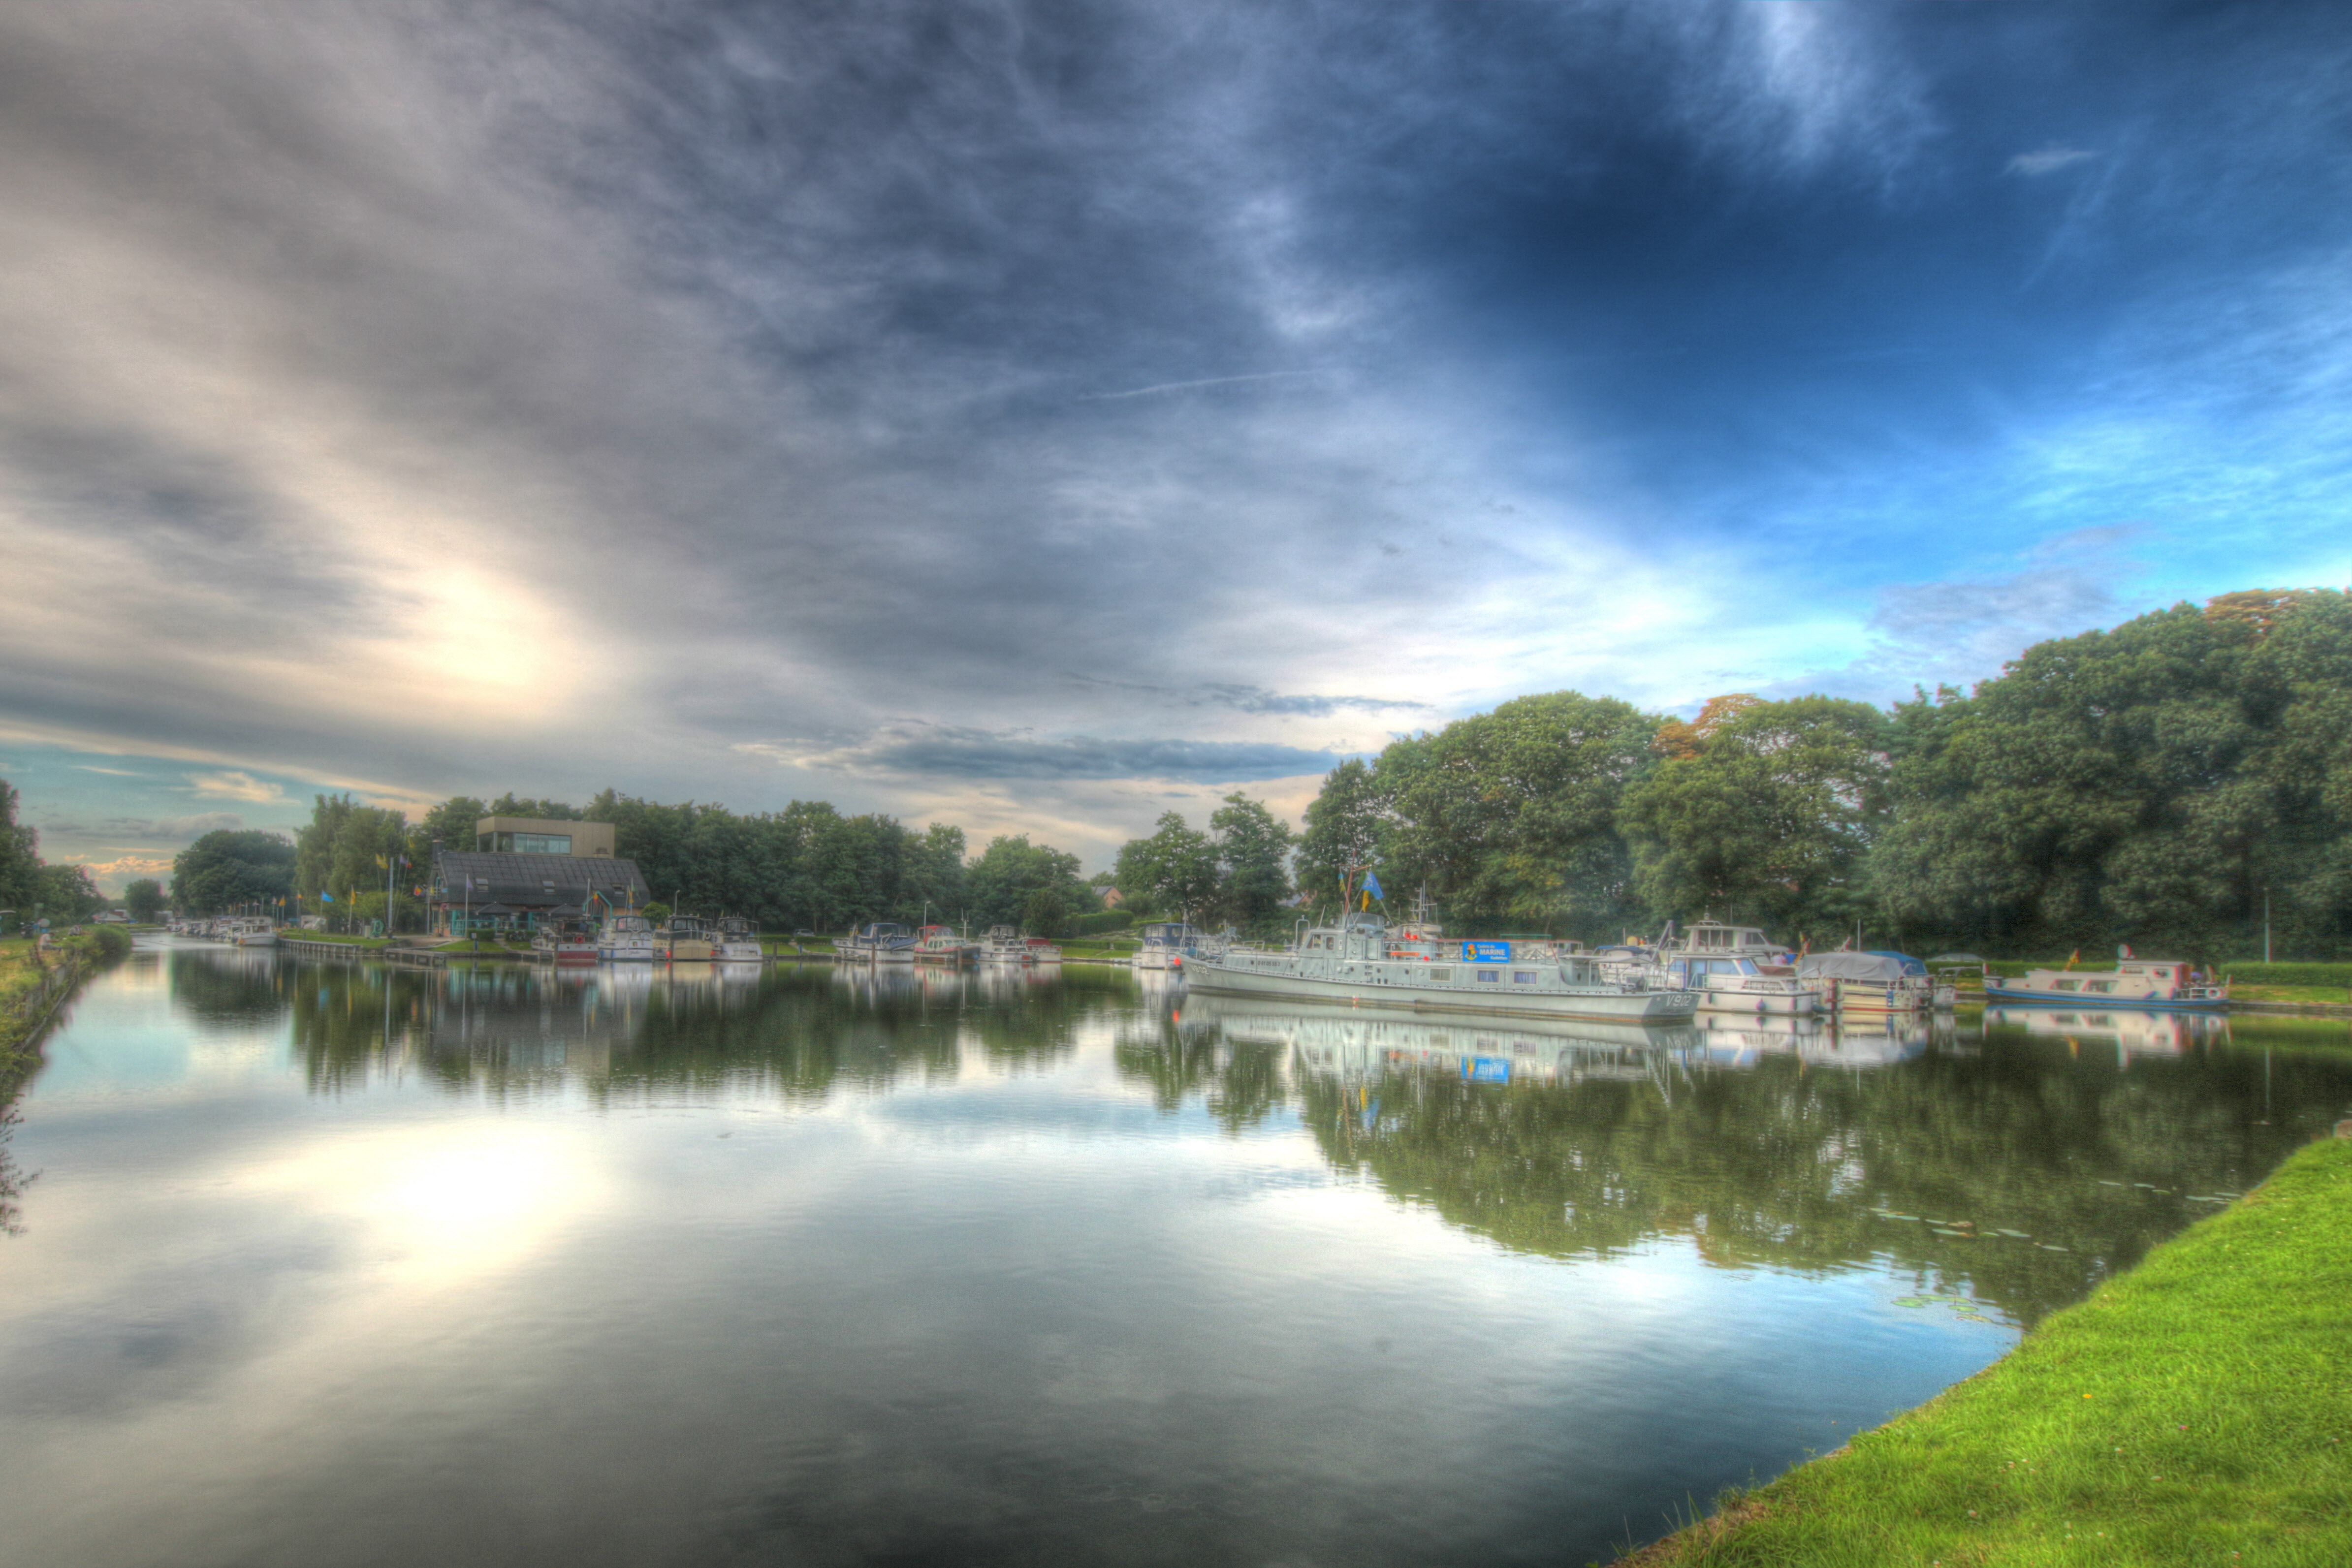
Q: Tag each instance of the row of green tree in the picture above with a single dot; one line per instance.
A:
(804, 867)
(2183, 781)
(59, 894)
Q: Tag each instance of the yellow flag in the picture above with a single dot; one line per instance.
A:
(2077, 952)
(381, 863)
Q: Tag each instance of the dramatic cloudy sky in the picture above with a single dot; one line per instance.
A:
(1035, 416)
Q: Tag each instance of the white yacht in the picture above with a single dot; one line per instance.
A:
(1353, 962)
(941, 945)
(253, 931)
(626, 938)
(1041, 951)
(877, 942)
(737, 941)
(1003, 945)
(1733, 970)
(1165, 944)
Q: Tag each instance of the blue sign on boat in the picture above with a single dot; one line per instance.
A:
(1486, 952)
(1488, 1069)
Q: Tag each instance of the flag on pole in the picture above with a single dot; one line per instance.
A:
(326, 898)
(1372, 884)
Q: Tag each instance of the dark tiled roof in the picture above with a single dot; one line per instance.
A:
(535, 882)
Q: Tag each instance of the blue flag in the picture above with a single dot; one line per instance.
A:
(326, 898)
(1372, 884)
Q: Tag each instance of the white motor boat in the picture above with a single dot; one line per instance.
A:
(626, 938)
(1733, 970)
(1352, 963)
(737, 941)
(877, 942)
(252, 931)
(1165, 944)
(941, 945)
(1041, 951)
(1003, 945)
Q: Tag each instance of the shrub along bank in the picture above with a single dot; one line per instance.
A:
(2198, 1409)
(34, 984)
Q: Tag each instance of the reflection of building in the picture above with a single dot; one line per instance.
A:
(524, 870)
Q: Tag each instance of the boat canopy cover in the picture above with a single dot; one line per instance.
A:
(1864, 968)
(1956, 958)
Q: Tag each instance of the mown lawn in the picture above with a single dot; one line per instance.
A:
(2197, 1410)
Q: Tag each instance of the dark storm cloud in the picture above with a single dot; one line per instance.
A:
(943, 751)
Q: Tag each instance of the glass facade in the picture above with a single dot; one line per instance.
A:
(525, 844)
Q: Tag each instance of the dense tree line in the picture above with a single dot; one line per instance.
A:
(63, 893)
(806, 867)
(2161, 784)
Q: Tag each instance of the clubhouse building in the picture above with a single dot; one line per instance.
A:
(523, 871)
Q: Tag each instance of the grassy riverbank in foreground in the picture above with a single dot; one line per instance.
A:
(2196, 1410)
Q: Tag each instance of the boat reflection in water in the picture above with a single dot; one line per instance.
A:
(2128, 1032)
(1854, 1041)
(1483, 1050)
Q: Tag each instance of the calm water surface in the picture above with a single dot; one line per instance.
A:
(314, 1264)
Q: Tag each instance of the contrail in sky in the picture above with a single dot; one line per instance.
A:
(1187, 386)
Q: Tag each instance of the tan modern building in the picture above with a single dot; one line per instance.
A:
(536, 836)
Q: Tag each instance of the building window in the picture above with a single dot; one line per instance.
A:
(1490, 974)
(1523, 977)
(1441, 973)
(540, 843)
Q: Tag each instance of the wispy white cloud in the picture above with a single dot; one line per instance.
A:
(237, 786)
(2048, 160)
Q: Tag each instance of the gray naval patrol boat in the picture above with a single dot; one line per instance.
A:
(1363, 960)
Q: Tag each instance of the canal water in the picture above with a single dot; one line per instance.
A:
(317, 1264)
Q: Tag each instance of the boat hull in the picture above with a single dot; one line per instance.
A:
(2003, 996)
(1597, 1007)
(1756, 1004)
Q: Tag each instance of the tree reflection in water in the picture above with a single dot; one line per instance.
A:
(2017, 1163)
(2018, 1171)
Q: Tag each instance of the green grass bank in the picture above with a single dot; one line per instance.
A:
(2196, 1410)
